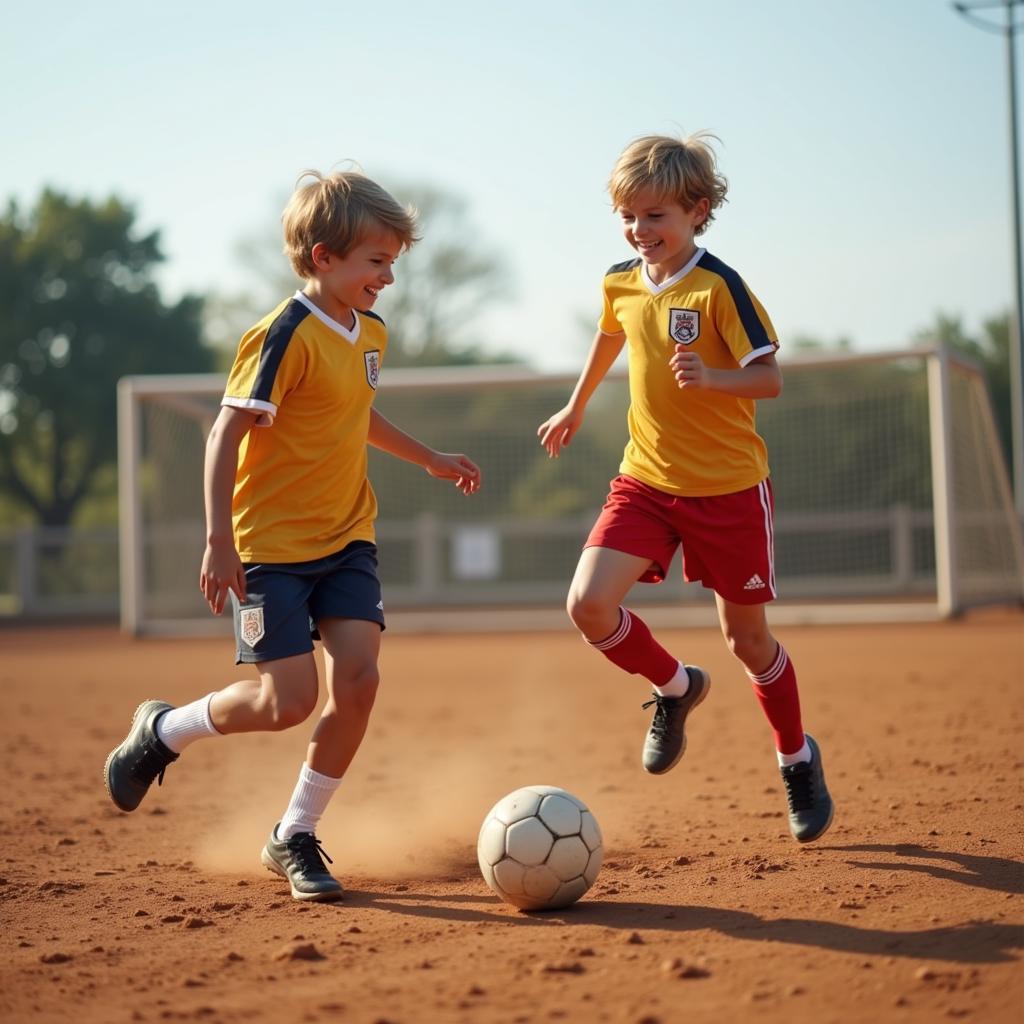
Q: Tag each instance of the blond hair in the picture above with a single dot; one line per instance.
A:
(683, 170)
(340, 210)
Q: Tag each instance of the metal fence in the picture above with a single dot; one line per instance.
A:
(59, 573)
(53, 573)
(886, 470)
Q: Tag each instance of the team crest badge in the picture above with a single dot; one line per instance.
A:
(372, 367)
(251, 625)
(684, 325)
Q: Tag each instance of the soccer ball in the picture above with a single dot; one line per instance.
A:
(539, 848)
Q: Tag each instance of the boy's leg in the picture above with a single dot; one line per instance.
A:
(347, 608)
(773, 678)
(351, 647)
(283, 695)
(602, 579)
(272, 634)
(771, 673)
(351, 650)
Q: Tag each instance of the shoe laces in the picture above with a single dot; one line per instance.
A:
(309, 853)
(660, 726)
(799, 782)
(151, 764)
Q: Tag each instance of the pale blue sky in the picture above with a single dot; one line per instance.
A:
(865, 141)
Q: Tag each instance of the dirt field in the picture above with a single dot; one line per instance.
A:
(911, 909)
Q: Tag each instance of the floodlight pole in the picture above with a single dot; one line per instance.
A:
(1016, 352)
(968, 9)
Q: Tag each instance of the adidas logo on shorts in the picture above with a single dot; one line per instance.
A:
(754, 583)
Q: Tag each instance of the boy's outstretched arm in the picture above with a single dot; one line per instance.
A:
(761, 378)
(557, 431)
(222, 568)
(383, 434)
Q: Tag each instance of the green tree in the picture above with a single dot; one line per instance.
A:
(441, 286)
(80, 311)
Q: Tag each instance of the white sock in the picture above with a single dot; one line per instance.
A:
(677, 685)
(179, 727)
(312, 793)
(803, 754)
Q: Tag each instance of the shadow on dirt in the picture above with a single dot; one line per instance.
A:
(972, 942)
(997, 873)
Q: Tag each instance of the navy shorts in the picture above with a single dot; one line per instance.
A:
(285, 601)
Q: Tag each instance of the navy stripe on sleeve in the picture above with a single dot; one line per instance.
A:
(370, 313)
(741, 298)
(279, 334)
(621, 268)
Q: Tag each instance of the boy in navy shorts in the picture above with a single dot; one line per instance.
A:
(290, 517)
(695, 471)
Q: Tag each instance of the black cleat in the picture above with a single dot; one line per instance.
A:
(810, 806)
(300, 860)
(666, 738)
(141, 758)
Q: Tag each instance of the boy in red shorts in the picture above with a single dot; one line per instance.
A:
(695, 471)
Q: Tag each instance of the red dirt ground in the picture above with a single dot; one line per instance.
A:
(909, 910)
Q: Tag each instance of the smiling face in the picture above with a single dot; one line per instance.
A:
(661, 231)
(345, 283)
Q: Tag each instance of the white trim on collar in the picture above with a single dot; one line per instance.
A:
(351, 336)
(656, 289)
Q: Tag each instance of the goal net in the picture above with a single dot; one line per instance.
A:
(891, 492)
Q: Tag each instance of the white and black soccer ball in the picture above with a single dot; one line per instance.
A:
(539, 848)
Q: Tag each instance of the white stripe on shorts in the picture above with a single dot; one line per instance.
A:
(769, 532)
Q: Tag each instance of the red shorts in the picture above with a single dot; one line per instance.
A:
(727, 540)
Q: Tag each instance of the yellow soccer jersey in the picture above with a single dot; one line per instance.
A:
(301, 491)
(689, 442)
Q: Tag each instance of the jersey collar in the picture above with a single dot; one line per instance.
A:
(350, 336)
(656, 289)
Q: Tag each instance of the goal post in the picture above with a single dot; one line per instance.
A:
(892, 496)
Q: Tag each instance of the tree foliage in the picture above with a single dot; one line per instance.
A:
(80, 311)
(441, 286)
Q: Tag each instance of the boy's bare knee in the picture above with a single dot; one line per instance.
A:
(736, 646)
(367, 679)
(365, 684)
(285, 702)
(586, 610)
(751, 648)
(281, 712)
(358, 692)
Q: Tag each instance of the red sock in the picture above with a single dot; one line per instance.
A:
(776, 690)
(634, 649)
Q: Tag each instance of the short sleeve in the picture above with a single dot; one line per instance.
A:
(269, 363)
(742, 322)
(609, 322)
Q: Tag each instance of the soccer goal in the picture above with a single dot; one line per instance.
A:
(892, 497)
